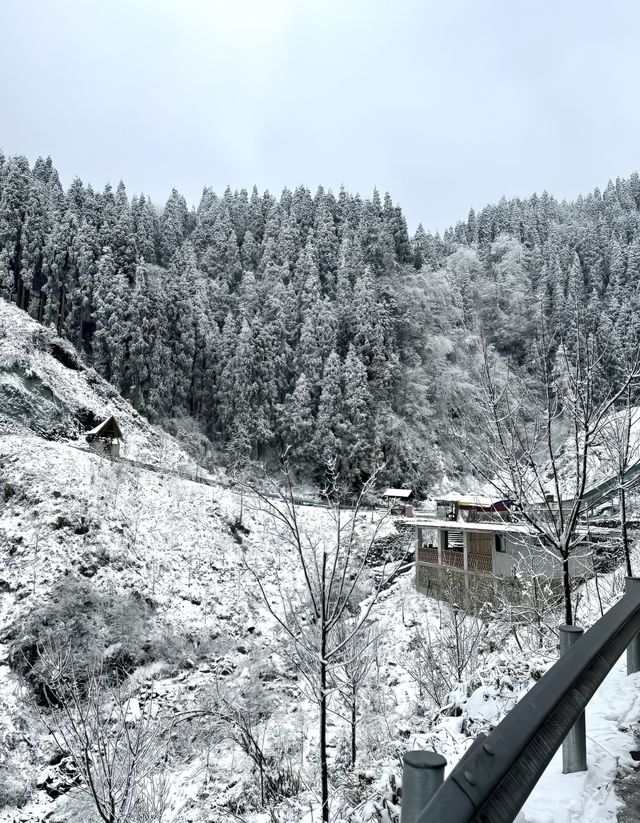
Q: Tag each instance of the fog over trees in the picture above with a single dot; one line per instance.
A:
(314, 321)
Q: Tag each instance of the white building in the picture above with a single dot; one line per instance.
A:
(476, 537)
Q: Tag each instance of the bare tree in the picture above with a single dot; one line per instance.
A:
(539, 432)
(115, 742)
(331, 570)
(533, 619)
(241, 715)
(622, 450)
(440, 657)
(278, 777)
(354, 663)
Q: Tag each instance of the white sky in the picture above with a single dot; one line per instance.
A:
(446, 105)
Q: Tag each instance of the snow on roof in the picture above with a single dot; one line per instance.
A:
(466, 499)
(404, 493)
(108, 428)
(461, 526)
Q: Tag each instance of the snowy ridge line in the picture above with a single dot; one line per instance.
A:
(499, 772)
(202, 479)
(205, 481)
(194, 478)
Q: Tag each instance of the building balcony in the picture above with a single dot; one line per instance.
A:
(477, 563)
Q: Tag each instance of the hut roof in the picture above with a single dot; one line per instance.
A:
(109, 428)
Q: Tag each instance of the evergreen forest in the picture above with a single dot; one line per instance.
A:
(311, 321)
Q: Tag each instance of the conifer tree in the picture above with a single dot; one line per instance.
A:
(141, 339)
(111, 328)
(173, 226)
(218, 312)
(185, 288)
(61, 271)
(326, 241)
(369, 320)
(298, 421)
(249, 252)
(358, 435)
(421, 251)
(35, 229)
(330, 425)
(255, 216)
(238, 393)
(13, 206)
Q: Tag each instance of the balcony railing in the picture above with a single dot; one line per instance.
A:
(482, 563)
(454, 559)
(488, 517)
(427, 555)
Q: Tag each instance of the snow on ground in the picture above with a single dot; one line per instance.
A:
(46, 389)
(171, 539)
(72, 510)
(176, 542)
(501, 679)
(589, 797)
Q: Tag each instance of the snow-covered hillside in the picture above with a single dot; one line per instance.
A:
(125, 528)
(46, 389)
(170, 558)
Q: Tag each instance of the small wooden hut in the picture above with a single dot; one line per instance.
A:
(399, 500)
(105, 438)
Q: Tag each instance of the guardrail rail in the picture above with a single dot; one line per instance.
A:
(495, 777)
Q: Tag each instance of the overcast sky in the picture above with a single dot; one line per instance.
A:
(445, 104)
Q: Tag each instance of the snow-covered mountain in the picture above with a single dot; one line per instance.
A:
(152, 553)
(152, 527)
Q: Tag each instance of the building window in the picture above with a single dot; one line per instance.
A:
(501, 544)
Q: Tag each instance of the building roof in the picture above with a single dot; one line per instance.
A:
(461, 526)
(468, 499)
(109, 428)
(401, 493)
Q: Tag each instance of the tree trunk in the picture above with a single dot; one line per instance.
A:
(566, 586)
(61, 307)
(623, 526)
(353, 726)
(324, 766)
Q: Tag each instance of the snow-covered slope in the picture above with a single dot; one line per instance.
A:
(135, 527)
(46, 389)
(152, 535)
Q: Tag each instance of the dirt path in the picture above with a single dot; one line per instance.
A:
(627, 787)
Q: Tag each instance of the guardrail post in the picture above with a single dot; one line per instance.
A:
(574, 747)
(422, 776)
(632, 586)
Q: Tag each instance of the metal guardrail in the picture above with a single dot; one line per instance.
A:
(494, 778)
(610, 487)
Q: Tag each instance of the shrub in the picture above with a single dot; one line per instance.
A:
(15, 791)
(84, 623)
(78, 629)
